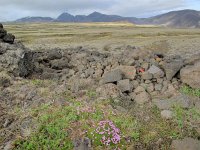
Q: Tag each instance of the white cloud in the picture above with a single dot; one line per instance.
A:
(13, 9)
(146, 7)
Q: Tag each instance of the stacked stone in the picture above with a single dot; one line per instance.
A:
(6, 37)
(136, 74)
(145, 78)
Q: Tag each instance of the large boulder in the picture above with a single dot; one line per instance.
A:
(9, 38)
(54, 54)
(124, 85)
(16, 59)
(112, 76)
(156, 72)
(6, 37)
(190, 75)
(180, 100)
(172, 66)
(59, 64)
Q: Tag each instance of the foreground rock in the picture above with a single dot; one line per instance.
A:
(172, 65)
(179, 100)
(16, 59)
(124, 85)
(6, 37)
(190, 75)
(9, 38)
(112, 76)
(186, 144)
(156, 72)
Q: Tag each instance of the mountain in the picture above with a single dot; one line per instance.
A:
(183, 18)
(65, 17)
(93, 17)
(177, 19)
(35, 19)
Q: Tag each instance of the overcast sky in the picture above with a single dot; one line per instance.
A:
(14, 9)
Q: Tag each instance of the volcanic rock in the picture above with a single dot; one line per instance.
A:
(112, 76)
(190, 75)
(172, 65)
(156, 72)
(9, 38)
(124, 85)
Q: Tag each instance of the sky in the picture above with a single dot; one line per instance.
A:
(15, 9)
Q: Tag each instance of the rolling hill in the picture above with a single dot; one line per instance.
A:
(177, 19)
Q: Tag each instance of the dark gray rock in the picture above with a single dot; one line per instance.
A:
(26, 65)
(190, 75)
(112, 76)
(172, 65)
(124, 85)
(179, 100)
(17, 60)
(3, 32)
(1, 25)
(59, 64)
(9, 38)
(54, 54)
(186, 144)
(156, 72)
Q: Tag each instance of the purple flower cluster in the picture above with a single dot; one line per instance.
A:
(110, 133)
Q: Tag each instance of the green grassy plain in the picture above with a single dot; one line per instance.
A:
(105, 36)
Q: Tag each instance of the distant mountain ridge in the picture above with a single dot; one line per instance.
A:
(35, 19)
(178, 19)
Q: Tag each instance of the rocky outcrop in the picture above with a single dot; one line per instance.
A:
(15, 59)
(172, 65)
(6, 37)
